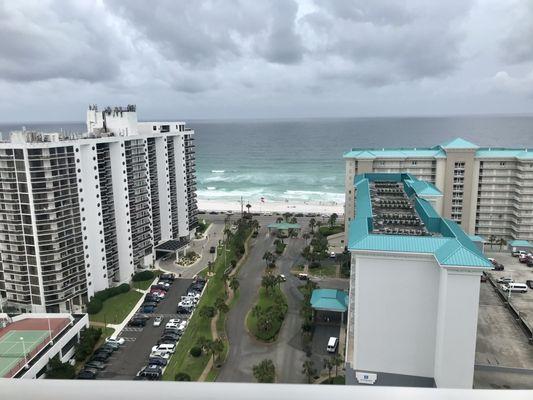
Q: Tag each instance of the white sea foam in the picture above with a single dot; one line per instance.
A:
(211, 188)
(217, 171)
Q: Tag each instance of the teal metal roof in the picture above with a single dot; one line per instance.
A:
(520, 154)
(329, 300)
(395, 153)
(477, 238)
(520, 243)
(423, 188)
(284, 225)
(458, 143)
(450, 245)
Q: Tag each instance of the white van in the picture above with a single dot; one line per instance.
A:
(515, 287)
(333, 342)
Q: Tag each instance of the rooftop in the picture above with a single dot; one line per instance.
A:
(429, 233)
(329, 300)
(520, 243)
(439, 151)
(283, 226)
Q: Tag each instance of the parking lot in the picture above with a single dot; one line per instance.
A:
(501, 343)
(133, 354)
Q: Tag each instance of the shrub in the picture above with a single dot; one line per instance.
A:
(143, 276)
(105, 294)
(88, 339)
(124, 288)
(94, 306)
(59, 370)
(314, 264)
(195, 351)
(182, 376)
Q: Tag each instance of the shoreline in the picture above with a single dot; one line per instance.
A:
(273, 206)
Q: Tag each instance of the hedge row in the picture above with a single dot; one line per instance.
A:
(97, 302)
(88, 339)
(143, 276)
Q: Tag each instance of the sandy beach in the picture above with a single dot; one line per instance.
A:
(273, 206)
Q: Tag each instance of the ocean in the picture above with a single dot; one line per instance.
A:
(300, 161)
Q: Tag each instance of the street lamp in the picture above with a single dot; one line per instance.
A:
(24, 351)
(509, 288)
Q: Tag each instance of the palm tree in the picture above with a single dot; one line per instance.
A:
(308, 370)
(337, 362)
(210, 266)
(268, 257)
(248, 206)
(234, 284)
(328, 364)
(312, 224)
(306, 237)
(221, 305)
(501, 242)
(332, 219)
(264, 372)
(287, 215)
(228, 233)
(492, 240)
(215, 348)
(279, 220)
(293, 220)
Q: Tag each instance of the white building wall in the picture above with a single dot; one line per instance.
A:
(395, 314)
(164, 187)
(121, 200)
(457, 328)
(91, 217)
(181, 185)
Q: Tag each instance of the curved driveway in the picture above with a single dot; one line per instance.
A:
(245, 351)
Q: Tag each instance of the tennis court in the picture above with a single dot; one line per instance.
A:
(15, 343)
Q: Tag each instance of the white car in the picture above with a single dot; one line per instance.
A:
(186, 304)
(282, 277)
(174, 321)
(119, 341)
(158, 320)
(332, 254)
(505, 279)
(161, 354)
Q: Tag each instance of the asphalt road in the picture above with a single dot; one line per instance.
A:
(245, 351)
(133, 355)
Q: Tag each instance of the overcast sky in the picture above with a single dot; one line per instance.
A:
(265, 59)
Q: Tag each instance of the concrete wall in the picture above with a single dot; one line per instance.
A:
(395, 314)
(456, 328)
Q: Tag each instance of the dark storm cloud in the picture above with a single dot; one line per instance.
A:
(48, 40)
(282, 45)
(403, 41)
(517, 47)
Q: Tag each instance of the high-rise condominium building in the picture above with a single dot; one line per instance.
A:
(80, 214)
(488, 191)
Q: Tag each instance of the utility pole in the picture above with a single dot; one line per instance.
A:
(242, 210)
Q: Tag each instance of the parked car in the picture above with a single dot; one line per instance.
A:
(111, 346)
(255, 234)
(96, 365)
(212, 250)
(158, 320)
(523, 258)
(505, 279)
(149, 304)
(303, 277)
(151, 372)
(183, 310)
(516, 253)
(91, 370)
(148, 309)
(161, 354)
(529, 283)
(120, 341)
(157, 361)
(498, 267)
(282, 277)
(103, 349)
(137, 322)
(332, 254)
(86, 375)
(167, 277)
(102, 357)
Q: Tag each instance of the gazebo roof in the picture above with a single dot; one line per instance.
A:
(329, 300)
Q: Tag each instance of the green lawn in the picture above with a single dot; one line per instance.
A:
(324, 270)
(181, 360)
(331, 230)
(265, 301)
(117, 308)
(335, 380)
(142, 285)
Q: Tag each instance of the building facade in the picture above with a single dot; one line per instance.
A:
(414, 288)
(488, 191)
(79, 214)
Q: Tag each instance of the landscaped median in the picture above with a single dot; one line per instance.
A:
(266, 317)
(199, 333)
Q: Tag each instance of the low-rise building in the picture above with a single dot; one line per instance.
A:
(29, 341)
(414, 288)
